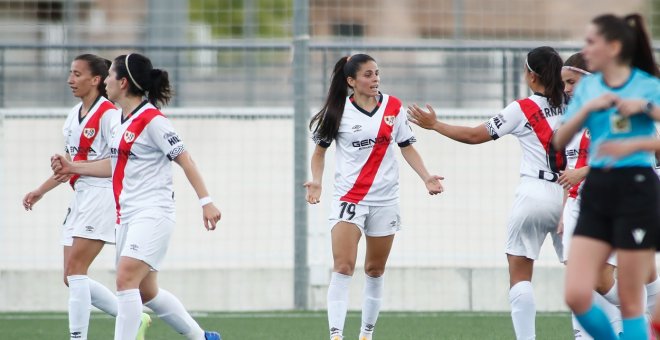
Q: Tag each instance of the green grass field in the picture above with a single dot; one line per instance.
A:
(300, 326)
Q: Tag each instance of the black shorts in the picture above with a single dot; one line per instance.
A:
(621, 206)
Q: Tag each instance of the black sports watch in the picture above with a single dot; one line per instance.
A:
(648, 108)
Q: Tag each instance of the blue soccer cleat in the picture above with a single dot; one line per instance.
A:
(212, 335)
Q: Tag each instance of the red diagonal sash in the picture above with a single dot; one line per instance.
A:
(132, 132)
(368, 173)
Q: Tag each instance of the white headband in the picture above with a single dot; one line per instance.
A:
(577, 69)
(131, 76)
(529, 68)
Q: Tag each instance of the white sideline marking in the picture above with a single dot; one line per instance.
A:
(287, 315)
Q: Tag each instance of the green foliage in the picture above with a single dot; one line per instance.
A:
(654, 19)
(227, 17)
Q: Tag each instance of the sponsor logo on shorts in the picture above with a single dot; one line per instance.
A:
(89, 229)
(638, 235)
(134, 247)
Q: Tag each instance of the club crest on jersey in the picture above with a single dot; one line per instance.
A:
(389, 120)
(89, 132)
(129, 136)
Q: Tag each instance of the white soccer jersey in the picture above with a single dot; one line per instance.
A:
(366, 169)
(87, 138)
(576, 157)
(533, 121)
(142, 147)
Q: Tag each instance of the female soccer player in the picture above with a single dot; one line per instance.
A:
(619, 199)
(90, 220)
(365, 125)
(142, 146)
(572, 179)
(537, 206)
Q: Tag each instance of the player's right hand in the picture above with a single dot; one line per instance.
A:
(60, 165)
(31, 198)
(424, 119)
(313, 192)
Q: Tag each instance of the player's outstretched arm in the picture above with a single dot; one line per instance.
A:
(464, 134)
(211, 214)
(432, 182)
(63, 166)
(314, 186)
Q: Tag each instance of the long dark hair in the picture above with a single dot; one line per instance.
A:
(143, 79)
(547, 64)
(325, 123)
(635, 45)
(98, 67)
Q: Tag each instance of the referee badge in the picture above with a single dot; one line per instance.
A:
(620, 124)
(389, 120)
(89, 132)
(129, 136)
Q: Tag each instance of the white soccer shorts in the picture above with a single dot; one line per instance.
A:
(145, 237)
(91, 215)
(535, 214)
(373, 221)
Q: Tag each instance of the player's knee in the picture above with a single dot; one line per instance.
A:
(125, 281)
(344, 268)
(374, 271)
(577, 300)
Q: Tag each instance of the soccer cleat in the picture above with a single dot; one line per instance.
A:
(212, 335)
(365, 337)
(145, 322)
(337, 337)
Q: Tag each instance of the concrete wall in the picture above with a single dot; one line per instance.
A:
(449, 255)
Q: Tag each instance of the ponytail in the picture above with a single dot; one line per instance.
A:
(143, 79)
(325, 123)
(630, 32)
(643, 57)
(160, 90)
(547, 64)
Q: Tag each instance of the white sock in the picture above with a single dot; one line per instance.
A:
(578, 330)
(613, 295)
(611, 311)
(338, 302)
(129, 309)
(103, 298)
(652, 289)
(373, 296)
(523, 310)
(170, 309)
(79, 301)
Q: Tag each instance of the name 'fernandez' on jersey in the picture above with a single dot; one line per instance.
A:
(141, 150)
(366, 167)
(533, 121)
